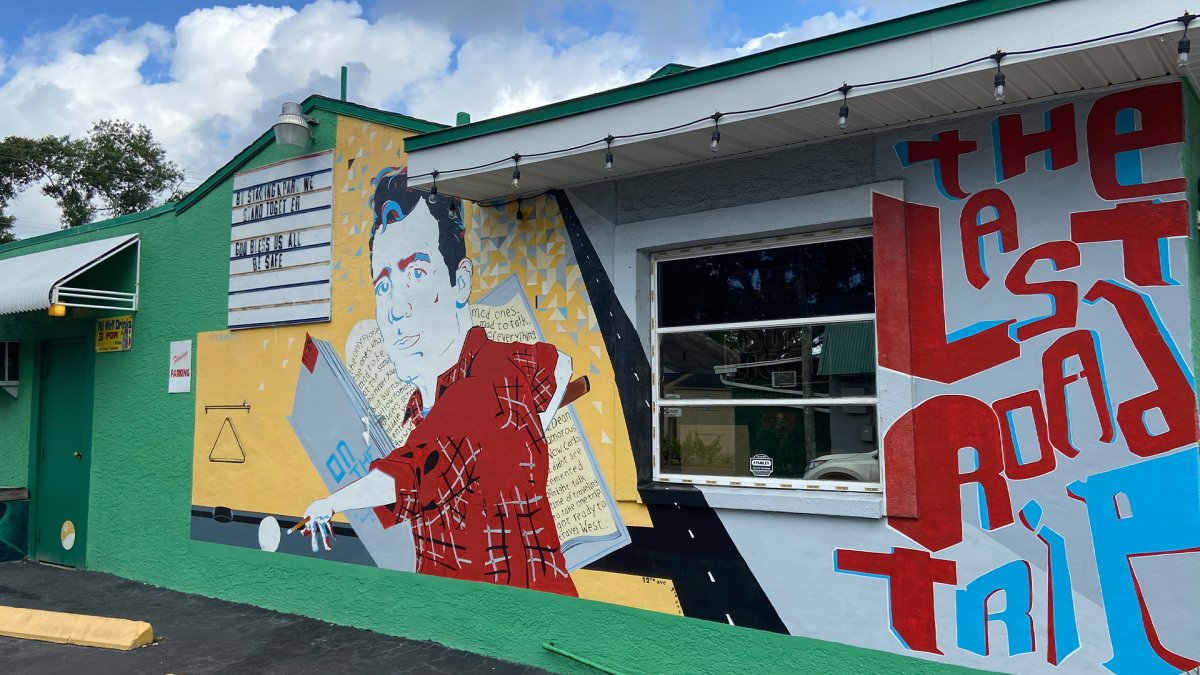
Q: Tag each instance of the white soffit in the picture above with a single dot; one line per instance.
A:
(36, 280)
(1144, 56)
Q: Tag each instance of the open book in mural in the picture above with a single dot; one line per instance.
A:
(446, 438)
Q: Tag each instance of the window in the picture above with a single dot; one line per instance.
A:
(764, 359)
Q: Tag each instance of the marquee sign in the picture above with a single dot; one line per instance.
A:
(280, 243)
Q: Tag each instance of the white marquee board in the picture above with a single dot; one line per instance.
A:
(281, 242)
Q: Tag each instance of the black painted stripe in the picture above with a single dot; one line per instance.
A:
(666, 550)
(299, 175)
(275, 288)
(283, 215)
(289, 322)
(282, 250)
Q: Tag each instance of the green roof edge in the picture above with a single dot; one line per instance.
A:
(90, 227)
(313, 102)
(883, 31)
(669, 69)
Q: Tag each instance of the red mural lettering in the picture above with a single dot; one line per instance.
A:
(912, 328)
(1084, 345)
(910, 575)
(973, 228)
(1173, 397)
(1140, 227)
(945, 149)
(1013, 468)
(1160, 108)
(945, 425)
(1015, 146)
(1064, 295)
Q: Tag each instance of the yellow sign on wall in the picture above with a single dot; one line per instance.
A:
(114, 333)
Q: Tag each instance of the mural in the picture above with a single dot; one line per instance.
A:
(455, 416)
(1046, 338)
(461, 414)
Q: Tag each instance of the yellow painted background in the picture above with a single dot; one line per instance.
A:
(259, 367)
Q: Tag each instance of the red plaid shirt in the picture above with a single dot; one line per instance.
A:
(471, 478)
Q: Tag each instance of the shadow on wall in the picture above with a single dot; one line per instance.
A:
(14, 530)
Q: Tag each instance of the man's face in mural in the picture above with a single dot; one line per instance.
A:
(420, 311)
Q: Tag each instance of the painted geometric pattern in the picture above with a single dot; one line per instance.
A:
(536, 248)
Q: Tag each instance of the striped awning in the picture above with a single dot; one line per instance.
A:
(37, 280)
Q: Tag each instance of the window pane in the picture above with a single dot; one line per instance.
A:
(820, 360)
(811, 442)
(823, 279)
(11, 351)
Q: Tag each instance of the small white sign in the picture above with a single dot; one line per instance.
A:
(179, 380)
(762, 465)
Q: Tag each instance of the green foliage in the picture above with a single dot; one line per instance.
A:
(693, 451)
(6, 233)
(117, 169)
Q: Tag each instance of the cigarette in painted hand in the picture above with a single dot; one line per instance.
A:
(298, 525)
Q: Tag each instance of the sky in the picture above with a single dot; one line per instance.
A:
(208, 78)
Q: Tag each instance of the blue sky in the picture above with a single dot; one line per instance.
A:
(208, 78)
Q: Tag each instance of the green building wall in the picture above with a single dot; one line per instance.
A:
(140, 494)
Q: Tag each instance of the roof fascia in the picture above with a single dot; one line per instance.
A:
(884, 31)
(84, 229)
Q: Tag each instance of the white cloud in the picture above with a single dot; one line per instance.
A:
(213, 82)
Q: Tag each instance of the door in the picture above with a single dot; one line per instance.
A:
(64, 451)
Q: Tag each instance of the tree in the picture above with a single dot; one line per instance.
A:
(6, 233)
(117, 169)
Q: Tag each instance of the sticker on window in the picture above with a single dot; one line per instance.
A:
(761, 465)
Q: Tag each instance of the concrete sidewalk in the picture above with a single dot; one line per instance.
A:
(201, 635)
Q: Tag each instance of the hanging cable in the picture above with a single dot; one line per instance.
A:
(998, 81)
(844, 111)
(1184, 48)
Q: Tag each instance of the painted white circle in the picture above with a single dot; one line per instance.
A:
(67, 535)
(268, 534)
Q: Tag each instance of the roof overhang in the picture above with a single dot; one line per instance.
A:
(55, 276)
(1146, 55)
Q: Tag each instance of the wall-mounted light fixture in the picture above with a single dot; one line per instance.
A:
(57, 310)
(293, 127)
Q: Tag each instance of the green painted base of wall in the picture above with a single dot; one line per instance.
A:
(140, 499)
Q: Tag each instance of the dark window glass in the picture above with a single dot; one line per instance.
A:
(11, 352)
(832, 442)
(816, 360)
(822, 279)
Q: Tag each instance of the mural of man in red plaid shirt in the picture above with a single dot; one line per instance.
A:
(471, 477)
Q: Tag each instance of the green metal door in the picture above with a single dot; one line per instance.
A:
(64, 451)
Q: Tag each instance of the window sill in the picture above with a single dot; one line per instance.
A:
(810, 502)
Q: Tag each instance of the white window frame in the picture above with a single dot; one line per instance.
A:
(840, 234)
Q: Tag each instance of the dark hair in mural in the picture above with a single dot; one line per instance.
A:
(393, 200)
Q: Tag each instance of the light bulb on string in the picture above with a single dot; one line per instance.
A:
(715, 143)
(844, 111)
(998, 81)
(608, 158)
(516, 176)
(1185, 45)
(433, 192)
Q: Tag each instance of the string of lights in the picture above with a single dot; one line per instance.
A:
(998, 81)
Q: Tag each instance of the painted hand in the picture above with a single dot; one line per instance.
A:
(319, 528)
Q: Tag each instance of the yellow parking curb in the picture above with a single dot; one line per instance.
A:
(74, 629)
